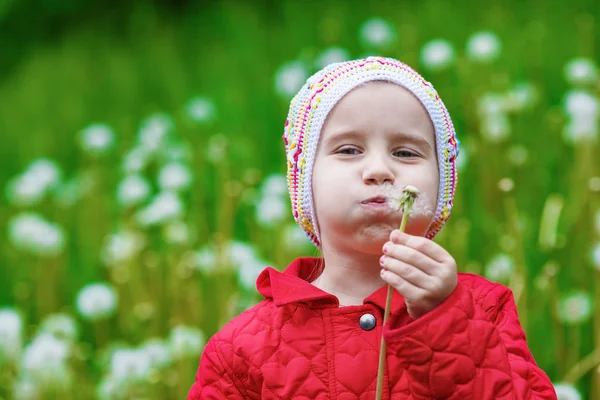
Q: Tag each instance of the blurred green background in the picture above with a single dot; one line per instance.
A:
(143, 187)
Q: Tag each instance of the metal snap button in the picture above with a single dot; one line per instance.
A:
(367, 322)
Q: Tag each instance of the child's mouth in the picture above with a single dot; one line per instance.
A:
(377, 202)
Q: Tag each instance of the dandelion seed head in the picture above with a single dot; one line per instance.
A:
(377, 33)
(97, 301)
(581, 71)
(136, 160)
(165, 207)
(330, 56)
(97, 139)
(26, 389)
(500, 268)
(205, 259)
(45, 360)
(154, 130)
(506, 185)
(201, 109)
(177, 232)
(157, 352)
(566, 391)
(11, 326)
(272, 210)
(186, 342)
(581, 104)
(575, 308)
(129, 365)
(437, 55)
(398, 196)
(122, 246)
(133, 190)
(483, 47)
(174, 176)
(61, 326)
(31, 233)
(290, 77)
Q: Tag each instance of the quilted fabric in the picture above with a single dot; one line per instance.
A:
(299, 344)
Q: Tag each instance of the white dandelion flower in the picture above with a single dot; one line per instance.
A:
(290, 77)
(133, 190)
(205, 259)
(31, 233)
(580, 129)
(97, 301)
(274, 185)
(566, 391)
(25, 190)
(271, 211)
(61, 326)
(201, 109)
(186, 342)
(522, 96)
(164, 207)
(491, 104)
(331, 55)
(500, 268)
(136, 160)
(437, 55)
(130, 365)
(241, 253)
(97, 139)
(377, 32)
(575, 308)
(46, 361)
(495, 128)
(506, 185)
(398, 196)
(249, 271)
(581, 71)
(122, 246)
(46, 171)
(581, 104)
(153, 131)
(157, 352)
(11, 327)
(174, 176)
(483, 47)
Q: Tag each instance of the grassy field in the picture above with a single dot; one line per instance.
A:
(143, 188)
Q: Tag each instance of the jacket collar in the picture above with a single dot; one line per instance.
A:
(293, 286)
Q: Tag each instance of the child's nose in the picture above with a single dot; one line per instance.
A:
(377, 171)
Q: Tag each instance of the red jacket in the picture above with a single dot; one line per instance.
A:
(299, 344)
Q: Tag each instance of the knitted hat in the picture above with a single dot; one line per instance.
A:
(310, 107)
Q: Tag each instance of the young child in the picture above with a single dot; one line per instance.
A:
(354, 129)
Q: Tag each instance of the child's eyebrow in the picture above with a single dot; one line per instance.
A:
(402, 136)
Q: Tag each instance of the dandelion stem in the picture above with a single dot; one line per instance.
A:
(583, 367)
(408, 197)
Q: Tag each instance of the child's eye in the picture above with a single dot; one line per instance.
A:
(348, 150)
(405, 153)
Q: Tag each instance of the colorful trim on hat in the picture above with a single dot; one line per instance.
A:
(310, 107)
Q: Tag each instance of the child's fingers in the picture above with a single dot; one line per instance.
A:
(412, 257)
(407, 272)
(406, 289)
(421, 244)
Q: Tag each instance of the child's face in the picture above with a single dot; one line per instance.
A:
(377, 133)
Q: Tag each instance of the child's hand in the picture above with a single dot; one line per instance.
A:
(421, 270)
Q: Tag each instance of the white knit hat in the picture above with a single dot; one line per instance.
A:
(310, 107)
